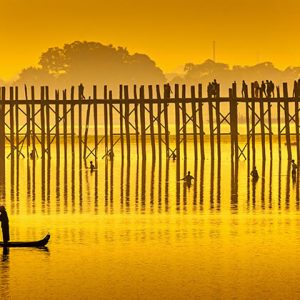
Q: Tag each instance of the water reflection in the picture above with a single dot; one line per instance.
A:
(140, 187)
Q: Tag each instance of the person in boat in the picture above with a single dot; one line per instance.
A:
(294, 168)
(188, 178)
(92, 167)
(4, 224)
(254, 173)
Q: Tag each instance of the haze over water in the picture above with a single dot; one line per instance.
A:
(130, 230)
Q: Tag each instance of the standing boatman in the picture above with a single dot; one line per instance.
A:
(4, 224)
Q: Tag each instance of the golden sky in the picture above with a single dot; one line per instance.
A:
(171, 32)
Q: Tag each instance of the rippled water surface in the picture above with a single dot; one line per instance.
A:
(131, 230)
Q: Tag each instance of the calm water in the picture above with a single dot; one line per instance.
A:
(132, 231)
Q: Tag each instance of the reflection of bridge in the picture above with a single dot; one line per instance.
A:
(139, 186)
(40, 120)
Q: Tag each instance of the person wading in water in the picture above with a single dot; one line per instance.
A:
(4, 224)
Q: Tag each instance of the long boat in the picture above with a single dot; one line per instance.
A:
(40, 243)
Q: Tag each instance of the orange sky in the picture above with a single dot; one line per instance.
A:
(170, 32)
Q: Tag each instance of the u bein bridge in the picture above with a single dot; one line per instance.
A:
(32, 124)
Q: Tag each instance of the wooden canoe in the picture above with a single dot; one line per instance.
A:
(40, 243)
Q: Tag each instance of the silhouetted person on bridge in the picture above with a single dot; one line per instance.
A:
(254, 174)
(295, 89)
(256, 89)
(81, 92)
(244, 89)
(263, 88)
(92, 167)
(167, 91)
(4, 224)
(272, 89)
(209, 90)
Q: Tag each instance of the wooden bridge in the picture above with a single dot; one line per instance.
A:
(32, 124)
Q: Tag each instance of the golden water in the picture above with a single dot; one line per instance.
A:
(132, 231)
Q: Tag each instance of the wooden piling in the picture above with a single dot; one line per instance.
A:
(42, 120)
(121, 119)
(2, 134)
(177, 124)
(28, 131)
(65, 124)
(287, 120)
(48, 128)
(183, 109)
(262, 125)
(86, 132)
(96, 121)
(235, 121)
(211, 127)
(194, 116)
(136, 119)
(201, 129)
(11, 123)
(33, 122)
(218, 125)
(159, 112)
(105, 120)
(111, 122)
(72, 114)
(127, 120)
(166, 120)
(17, 120)
(247, 123)
(297, 125)
(151, 116)
(57, 121)
(270, 129)
(278, 121)
(253, 124)
(80, 98)
(142, 118)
